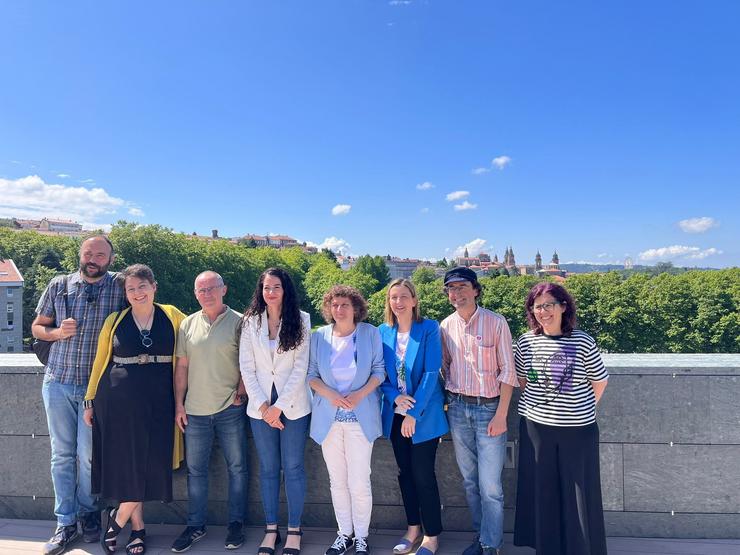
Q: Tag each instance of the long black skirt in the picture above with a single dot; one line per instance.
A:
(558, 506)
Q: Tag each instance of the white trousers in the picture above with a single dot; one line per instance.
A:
(347, 454)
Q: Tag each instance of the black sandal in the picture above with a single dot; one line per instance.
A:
(112, 529)
(270, 550)
(293, 550)
(134, 547)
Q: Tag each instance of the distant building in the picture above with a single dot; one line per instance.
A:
(401, 267)
(553, 269)
(62, 226)
(275, 241)
(11, 308)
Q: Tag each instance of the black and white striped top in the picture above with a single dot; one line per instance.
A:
(559, 371)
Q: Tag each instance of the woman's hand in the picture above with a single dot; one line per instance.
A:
(353, 399)
(405, 402)
(272, 417)
(408, 426)
(87, 416)
(181, 418)
(336, 399)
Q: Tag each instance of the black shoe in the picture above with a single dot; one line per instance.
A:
(270, 550)
(340, 545)
(234, 536)
(491, 551)
(474, 548)
(189, 536)
(292, 550)
(61, 539)
(361, 547)
(90, 524)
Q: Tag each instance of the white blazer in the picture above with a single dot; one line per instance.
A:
(261, 369)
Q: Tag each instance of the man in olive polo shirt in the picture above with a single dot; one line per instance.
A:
(209, 401)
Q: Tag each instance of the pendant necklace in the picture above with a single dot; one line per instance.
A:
(146, 330)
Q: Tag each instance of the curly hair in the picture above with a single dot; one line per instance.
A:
(291, 326)
(562, 296)
(359, 304)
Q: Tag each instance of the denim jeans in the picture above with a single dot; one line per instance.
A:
(230, 426)
(71, 442)
(282, 448)
(480, 458)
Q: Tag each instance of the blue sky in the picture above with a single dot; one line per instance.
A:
(600, 129)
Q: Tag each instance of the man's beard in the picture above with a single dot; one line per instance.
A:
(93, 270)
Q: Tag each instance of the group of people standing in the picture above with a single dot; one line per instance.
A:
(128, 379)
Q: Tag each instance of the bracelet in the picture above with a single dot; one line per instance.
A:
(87, 403)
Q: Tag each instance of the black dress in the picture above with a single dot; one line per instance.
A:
(133, 422)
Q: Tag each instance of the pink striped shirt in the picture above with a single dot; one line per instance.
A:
(477, 355)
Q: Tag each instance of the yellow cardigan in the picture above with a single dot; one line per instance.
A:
(105, 349)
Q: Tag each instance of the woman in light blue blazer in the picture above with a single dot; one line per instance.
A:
(413, 412)
(345, 368)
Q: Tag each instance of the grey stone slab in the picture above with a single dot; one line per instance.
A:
(22, 407)
(20, 363)
(724, 410)
(668, 363)
(25, 466)
(610, 456)
(682, 478)
(679, 525)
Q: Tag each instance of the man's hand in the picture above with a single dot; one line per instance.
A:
(181, 418)
(87, 416)
(405, 402)
(497, 425)
(408, 426)
(68, 328)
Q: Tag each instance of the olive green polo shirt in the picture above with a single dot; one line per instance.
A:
(212, 350)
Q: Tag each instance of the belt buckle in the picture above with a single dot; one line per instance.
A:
(142, 358)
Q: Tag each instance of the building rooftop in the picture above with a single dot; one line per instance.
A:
(9, 274)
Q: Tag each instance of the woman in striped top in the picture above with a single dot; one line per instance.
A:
(562, 376)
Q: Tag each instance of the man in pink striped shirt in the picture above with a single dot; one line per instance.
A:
(478, 366)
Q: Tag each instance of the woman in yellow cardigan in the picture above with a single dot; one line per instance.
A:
(130, 405)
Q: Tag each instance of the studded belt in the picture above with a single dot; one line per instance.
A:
(142, 359)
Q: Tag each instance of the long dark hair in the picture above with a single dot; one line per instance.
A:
(291, 327)
(561, 295)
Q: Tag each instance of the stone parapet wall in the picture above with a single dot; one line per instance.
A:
(670, 446)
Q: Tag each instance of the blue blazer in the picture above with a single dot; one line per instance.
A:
(424, 358)
(369, 364)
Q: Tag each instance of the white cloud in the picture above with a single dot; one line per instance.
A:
(63, 175)
(399, 2)
(475, 247)
(136, 212)
(425, 186)
(341, 209)
(88, 181)
(602, 255)
(500, 162)
(31, 197)
(480, 171)
(334, 244)
(678, 251)
(457, 195)
(698, 225)
(465, 206)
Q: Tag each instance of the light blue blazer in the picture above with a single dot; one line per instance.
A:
(424, 358)
(369, 364)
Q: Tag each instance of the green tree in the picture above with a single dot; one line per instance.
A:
(375, 267)
(423, 274)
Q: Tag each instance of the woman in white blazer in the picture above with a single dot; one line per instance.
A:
(273, 356)
(345, 369)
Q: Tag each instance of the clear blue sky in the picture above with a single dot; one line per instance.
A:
(610, 123)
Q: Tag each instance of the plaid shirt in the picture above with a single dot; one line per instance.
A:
(71, 359)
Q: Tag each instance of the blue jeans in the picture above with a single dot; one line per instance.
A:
(480, 458)
(71, 442)
(230, 426)
(276, 449)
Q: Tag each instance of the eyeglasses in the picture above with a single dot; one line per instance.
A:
(91, 292)
(456, 288)
(204, 290)
(545, 307)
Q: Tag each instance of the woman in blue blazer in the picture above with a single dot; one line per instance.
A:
(345, 368)
(413, 412)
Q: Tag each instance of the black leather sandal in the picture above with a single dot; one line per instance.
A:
(134, 547)
(270, 550)
(112, 529)
(293, 550)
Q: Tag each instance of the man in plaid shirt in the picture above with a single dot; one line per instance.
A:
(71, 312)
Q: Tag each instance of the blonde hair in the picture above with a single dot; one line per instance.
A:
(390, 318)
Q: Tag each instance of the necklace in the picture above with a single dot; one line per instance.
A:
(145, 330)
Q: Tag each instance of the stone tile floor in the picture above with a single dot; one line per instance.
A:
(20, 537)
